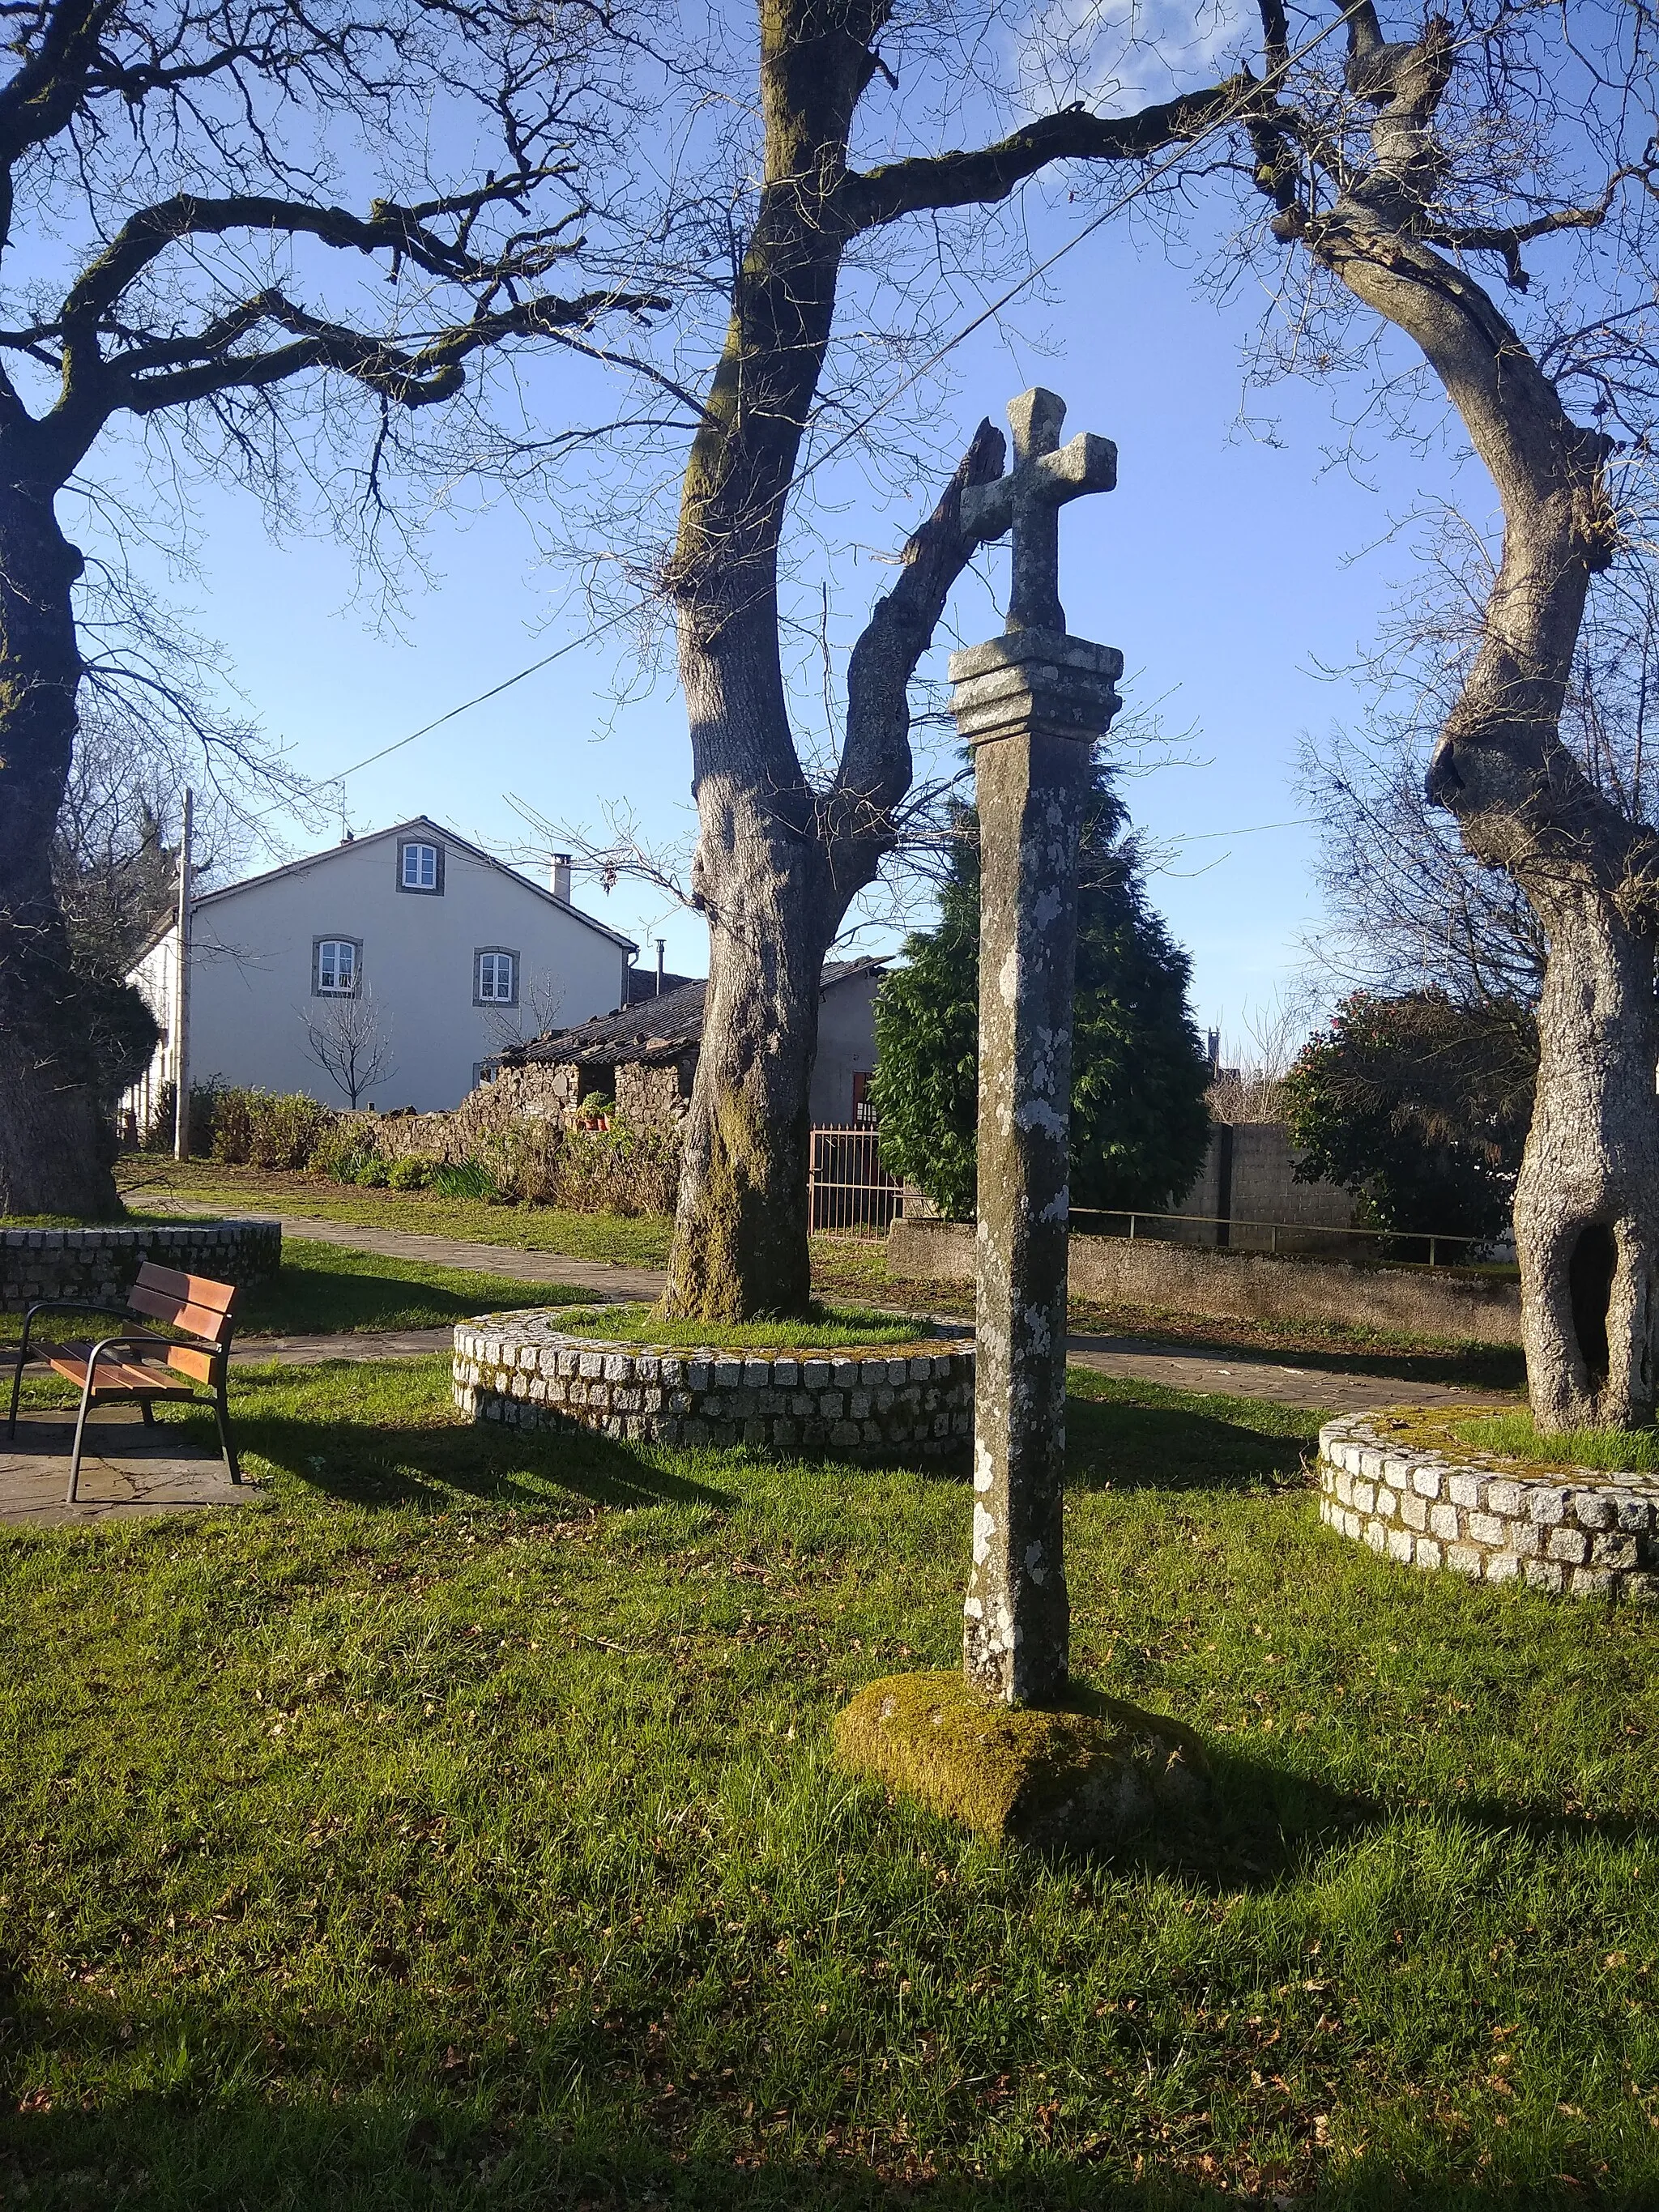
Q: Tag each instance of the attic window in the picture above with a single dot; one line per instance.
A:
(420, 867)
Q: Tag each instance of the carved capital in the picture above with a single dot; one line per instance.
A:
(1035, 679)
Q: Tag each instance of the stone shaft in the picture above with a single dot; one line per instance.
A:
(1032, 705)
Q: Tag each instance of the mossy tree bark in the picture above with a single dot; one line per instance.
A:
(1586, 1201)
(780, 860)
(54, 1157)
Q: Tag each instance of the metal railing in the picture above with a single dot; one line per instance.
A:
(851, 1193)
(1434, 1239)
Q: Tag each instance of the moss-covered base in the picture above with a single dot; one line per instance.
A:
(1089, 1775)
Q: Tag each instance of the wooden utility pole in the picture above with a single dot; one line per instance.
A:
(181, 996)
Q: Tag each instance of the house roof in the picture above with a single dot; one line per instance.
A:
(661, 1028)
(641, 983)
(419, 823)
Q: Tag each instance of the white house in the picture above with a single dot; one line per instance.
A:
(431, 954)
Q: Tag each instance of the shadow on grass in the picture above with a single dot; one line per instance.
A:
(1477, 1367)
(1113, 1443)
(323, 1301)
(394, 1465)
(412, 2148)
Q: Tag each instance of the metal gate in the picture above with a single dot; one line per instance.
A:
(852, 1194)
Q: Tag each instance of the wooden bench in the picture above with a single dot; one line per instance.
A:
(201, 1314)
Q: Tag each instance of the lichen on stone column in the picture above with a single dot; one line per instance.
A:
(1031, 705)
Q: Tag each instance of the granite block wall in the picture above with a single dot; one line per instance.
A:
(914, 1402)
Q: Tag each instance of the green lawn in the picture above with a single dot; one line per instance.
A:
(453, 1826)
(323, 1291)
(639, 1241)
(828, 1327)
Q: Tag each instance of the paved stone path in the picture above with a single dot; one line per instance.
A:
(1242, 1375)
(606, 1276)
(1237, 1375)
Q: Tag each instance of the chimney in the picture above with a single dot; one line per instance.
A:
(662, 948)
(559, 880)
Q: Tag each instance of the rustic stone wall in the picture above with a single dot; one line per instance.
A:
(517, 1094)
(647, 1094)
(100, 1264)
(1242, 1286)
(915, 1402)
(1593, 1535)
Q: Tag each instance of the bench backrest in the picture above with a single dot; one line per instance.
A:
(191, 1303)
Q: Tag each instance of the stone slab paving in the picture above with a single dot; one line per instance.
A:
(127, 1472)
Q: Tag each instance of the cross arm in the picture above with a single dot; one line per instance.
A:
(1086, 463)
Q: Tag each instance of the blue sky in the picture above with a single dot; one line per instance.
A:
(1221, 567)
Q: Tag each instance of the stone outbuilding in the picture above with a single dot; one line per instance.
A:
(645, 1057)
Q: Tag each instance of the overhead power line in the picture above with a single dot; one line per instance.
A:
(985, 314)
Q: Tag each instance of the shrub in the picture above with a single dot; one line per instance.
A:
(203, 1114)
(465, 1179)
(413, 1172)
(369, 1169)
(625, 1168)
(267, 1129)
(521, 1157)
(340, 1148)
(285, 1129)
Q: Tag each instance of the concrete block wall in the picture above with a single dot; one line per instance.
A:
(100, 1264)
(1242, 1286)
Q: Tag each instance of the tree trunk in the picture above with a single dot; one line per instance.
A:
(740, 1240)
(1587, 1203)
(767, 866)
(55, 1148)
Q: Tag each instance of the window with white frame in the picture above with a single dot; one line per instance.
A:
(420, 866)
(495, 978)
(335, 962)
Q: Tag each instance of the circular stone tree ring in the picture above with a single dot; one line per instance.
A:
(1586, 1533)
(895, 1402)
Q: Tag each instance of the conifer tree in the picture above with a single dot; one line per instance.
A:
(1140, 1123)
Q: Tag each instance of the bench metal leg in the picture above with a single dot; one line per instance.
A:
(147, 1413)
(17, 1386)
(221, 1414)
(80, 1433)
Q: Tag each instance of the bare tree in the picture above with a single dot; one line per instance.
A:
(1460, 145)
(1253, 1089)
(177, 249)
(789, 835)
(541, 998)
(351, 1044)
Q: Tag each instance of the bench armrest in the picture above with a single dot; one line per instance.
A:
(63, 1305)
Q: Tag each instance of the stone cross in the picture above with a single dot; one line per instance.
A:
(1031, 705)
(1028, 501)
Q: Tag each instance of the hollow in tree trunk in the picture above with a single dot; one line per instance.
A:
(1587, 1203)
